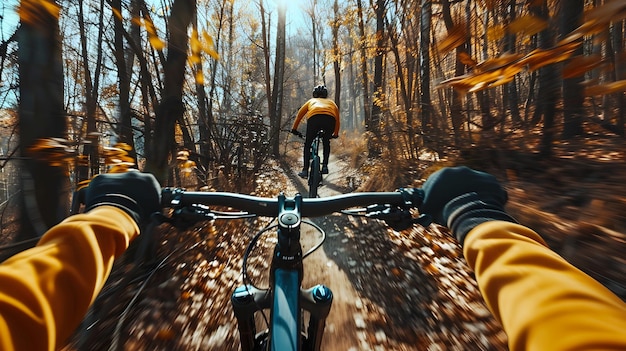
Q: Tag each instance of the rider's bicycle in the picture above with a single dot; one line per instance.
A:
(315, 177)
(285, 298)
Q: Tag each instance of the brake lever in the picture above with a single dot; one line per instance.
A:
(186, 216)
(396, 218)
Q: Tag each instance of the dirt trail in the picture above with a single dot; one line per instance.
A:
(346, 311)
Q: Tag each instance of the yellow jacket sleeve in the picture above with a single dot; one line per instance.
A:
(542, 301)
(301, 113)
(46, 291)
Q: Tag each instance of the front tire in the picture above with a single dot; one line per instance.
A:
(315, 177)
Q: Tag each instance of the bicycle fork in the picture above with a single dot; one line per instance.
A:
(247, 300)
(286, 298)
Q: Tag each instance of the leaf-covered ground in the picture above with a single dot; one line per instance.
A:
(407, 290)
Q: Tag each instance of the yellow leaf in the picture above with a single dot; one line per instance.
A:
(199, 78)
(149, 26)
(123, 146)
(456, 37)
(495, 32)
(117, 13)
(611, 11)
(137, 21)
(578, 65)
(194, 42)
(209, 46)
(194, 59)
(35, 11)
(603, 89)
(528, 25)
(156, 43)
(466, 59)
(498, 62)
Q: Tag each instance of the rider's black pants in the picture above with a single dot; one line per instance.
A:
(313, 125)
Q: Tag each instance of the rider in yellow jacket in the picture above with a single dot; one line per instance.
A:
(321, 113)
(543, 302)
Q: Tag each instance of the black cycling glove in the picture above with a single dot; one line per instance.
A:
(461, 198)
(138, 194)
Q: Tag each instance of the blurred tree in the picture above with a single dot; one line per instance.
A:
(456, 112)
(85, 170)
(378, 97)
(424, 67)
(45, 187)
(363, 66)
(548, 82)
(336, 53)
(511, 95)
(279, 79)
(617, 31)
(124, 69)
(171, 108)
(573, 98)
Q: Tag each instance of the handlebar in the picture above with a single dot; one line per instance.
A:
(405, 198)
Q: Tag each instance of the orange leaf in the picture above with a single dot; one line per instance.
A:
(35, 11)
(578, 65)
(209, 46)
(199, 78)
(117, 13)
(456, 37)
(528, 25)
(603, 89)
(466, 59)
(156, 43)
(495, 32)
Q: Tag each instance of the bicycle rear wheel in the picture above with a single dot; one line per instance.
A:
(315, 177)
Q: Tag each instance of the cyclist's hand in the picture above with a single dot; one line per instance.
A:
(138, 194)
(296, 132)
(461, 198)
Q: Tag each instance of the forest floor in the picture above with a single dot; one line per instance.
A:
(408, 290)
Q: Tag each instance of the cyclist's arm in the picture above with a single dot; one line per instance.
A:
(543, 302)
(337, 122)
(46, 291)
(301, 113)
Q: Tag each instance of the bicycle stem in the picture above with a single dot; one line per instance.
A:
(288, 251)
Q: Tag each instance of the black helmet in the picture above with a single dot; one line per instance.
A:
(320, 91)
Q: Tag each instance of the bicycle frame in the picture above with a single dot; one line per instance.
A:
(286, 298)
(315, 174)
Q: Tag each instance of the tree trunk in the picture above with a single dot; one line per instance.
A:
(511, 94)
(337, 54)
(363, 67)
(374, 143)
(92, 87)
(424, 56)
(279, 75)
(457, 106)
(573, 97)
(45, 188)
(125, 127)
(620, 73)
(171, 107)
(548, 85)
